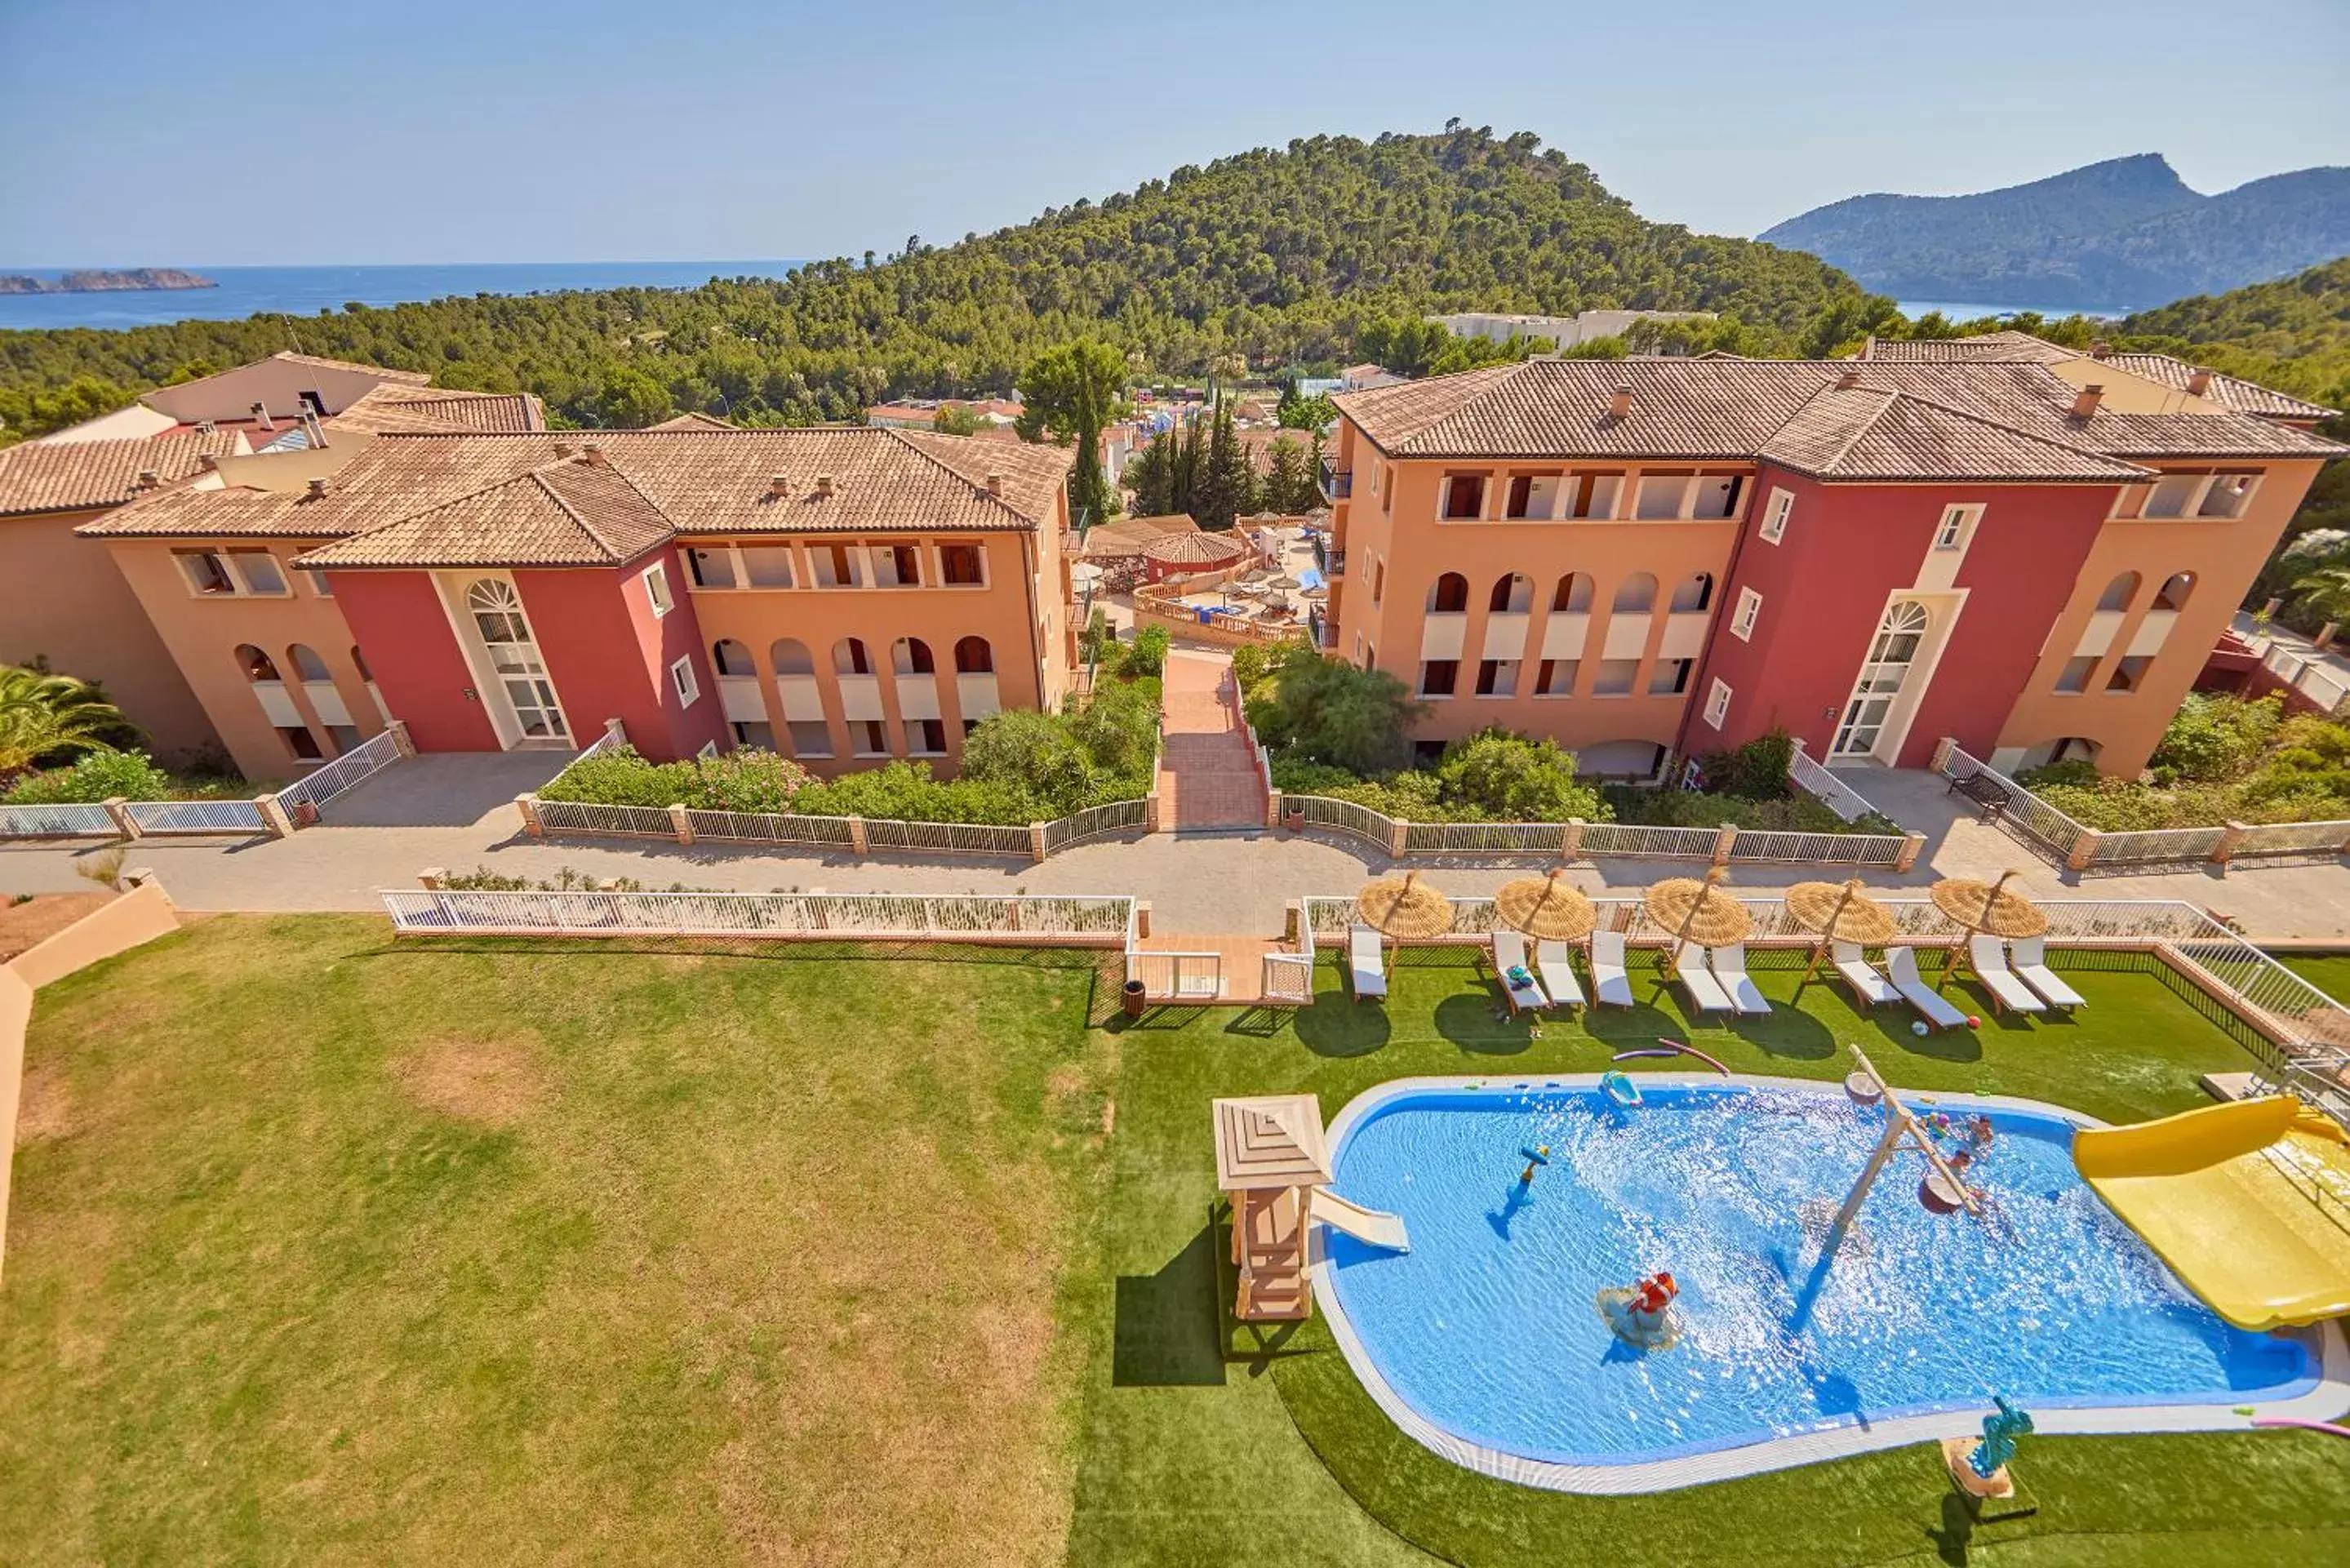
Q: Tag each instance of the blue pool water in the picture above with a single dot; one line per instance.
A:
(1487, 1327)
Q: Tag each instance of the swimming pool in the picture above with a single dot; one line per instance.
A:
(1484, 1340)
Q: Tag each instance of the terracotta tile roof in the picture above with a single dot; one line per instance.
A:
(573, 511)
(393, 408)
(435, 488)
(1734, 410)
(2227, 391)
(69, 476)
(2012, 347)
(410, 378)
(2003, 348)
(691, 422)
(1195, 549)
(1126, 536)
(1870, 433)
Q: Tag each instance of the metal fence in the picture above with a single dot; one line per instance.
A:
(2159, 844)
(949, 837)
(64, 821)
(2050, 828)
(607, 821)
(1650, 843)
(1756, 844)
(341, 777)
(770, 827)
(1086, 920)
(2294, 838)
(1825, 787)
(169, 817)
(1488, 838)
(1595, 839)
(1342, 817)
(1095, 822)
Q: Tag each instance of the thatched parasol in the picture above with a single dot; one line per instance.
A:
(1698, 911)
(1405, 907)
(1839, 912)
(1546, 909)
(1985, 907)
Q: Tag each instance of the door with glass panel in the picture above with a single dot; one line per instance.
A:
(513, 656)
(1892, 653)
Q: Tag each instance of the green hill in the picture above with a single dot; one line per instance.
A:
(2293, 334)
(1276, 256)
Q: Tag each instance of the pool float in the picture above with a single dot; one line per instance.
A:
(1862, 1088)
(1644, 1051)
(1643, 1315)
(1621, 1091)
(1538, 1155)
(1693, 1051)
(2337, 1429)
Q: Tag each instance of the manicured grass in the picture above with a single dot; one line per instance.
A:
(327, 1247)
(2330, 972)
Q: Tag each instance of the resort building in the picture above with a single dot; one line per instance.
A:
(844, 596)
(2030, 549)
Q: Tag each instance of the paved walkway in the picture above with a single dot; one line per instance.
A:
(1207, 772)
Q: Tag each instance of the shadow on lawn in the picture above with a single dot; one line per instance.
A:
(1168, 1332)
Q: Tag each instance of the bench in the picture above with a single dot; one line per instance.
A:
(1985, 792)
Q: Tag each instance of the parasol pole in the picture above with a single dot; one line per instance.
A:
(1898, 1124)
(1820, 948)
(1955, 963)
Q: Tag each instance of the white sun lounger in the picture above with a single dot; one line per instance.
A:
(1901, 968)
(1610, 985)
(1729, 966)
(1691, 965)
(1988, 955)
(1364, 970)
(2030, 958)
(1869, 986)
(1509, 950)
(1555, 963)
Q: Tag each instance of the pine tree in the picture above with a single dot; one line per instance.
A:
(1152, 475)
(1183, 490)
(1289, 479)
(1227, 486)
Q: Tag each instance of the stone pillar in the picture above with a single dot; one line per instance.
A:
(2084, 849)
(1942, 750)
(398, 731)
(1722, 842)
(118, 808)
(1570, 843)
(273, 817)
(683, 824)
(1037, 841)
(1150, 812)
(617, 731)
(1142, 917)
(2325, 639)
(436, 877)
(1272, 808)
(529, 805)
(1907, 856)
(1397, 833)
(857, 836)
(2230, 835)
(1293, 920)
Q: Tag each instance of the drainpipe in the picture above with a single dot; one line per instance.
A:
(1028, 574)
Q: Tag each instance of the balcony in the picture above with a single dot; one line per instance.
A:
(1338, 484)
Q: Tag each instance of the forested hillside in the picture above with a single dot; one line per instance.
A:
(2292, 334)
(1276, 256)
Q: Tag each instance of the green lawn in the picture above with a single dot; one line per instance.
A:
(2330, 972)
(330, 1247)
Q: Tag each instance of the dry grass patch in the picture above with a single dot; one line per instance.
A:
(45, 1112)
(491, 1083)
(25, 925)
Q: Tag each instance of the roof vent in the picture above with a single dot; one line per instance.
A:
(780, 486)
(2086, 403)
(318, 488)
(1846, 380)
(2100, 348)
(260, 416)
(824, 484)
(2198, 382)
(148, 478)
(208, 460)
(996, 484)
(1620, 404)
(562, 449)
(592, 451)
(205, 427)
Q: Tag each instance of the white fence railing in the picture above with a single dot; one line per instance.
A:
(63, 821)
(1642, 842)
(1826, 788)
(1595, 839)
(341, 777)
(2055, 832)
(171, 817)
(2294, 838)
(766, 828)
(949, 837)
(581, 816)
(2308, 674)
(1095, 822)
(1076, 921)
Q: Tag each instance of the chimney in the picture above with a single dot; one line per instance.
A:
(2100, 348)
(562, 449)
(592, 451)
(318, 488)
(207, 461)
(148, 478)
(824, 484)
(1846, 380)
(260, 416)
(1620, 404)
(2198, 382)
(996, 484)
(780, 486)
(2086, 403)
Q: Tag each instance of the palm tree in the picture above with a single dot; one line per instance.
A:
(2326, 591)
(43, 715)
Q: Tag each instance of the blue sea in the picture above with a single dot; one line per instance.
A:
(1914, 308)
(305, 290)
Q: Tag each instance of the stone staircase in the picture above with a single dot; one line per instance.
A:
(1207, 769)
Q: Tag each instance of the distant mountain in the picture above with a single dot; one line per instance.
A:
(2128, 233)
(93, 281)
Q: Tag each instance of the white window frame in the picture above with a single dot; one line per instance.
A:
(657, 594)
(1957, 528)
(688, 685)
(1742, 624)
(232, 568)
(1717, 703)
(317, 581)
(1774, 516)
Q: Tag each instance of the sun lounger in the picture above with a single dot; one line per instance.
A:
(1610, 985)
(1555, 963)
(1988, 955)
(2030, 959)
(1365, 970)
(1901, 969)
(1729, 966)
(1869, 986)
(1692, 967)
(1509, 951)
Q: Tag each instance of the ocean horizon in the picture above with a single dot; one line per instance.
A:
(246, 291)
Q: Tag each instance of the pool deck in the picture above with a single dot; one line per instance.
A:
(2325, 1401)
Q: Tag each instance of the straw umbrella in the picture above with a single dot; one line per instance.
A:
(1546, 909)
(1839, 912)
(1987, 908)
(1697, 911)
(1404, 907)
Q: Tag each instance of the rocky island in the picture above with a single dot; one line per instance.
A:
(92, 281)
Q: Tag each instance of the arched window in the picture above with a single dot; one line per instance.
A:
(729, 657)
(974, 657)
(1695, 593)
(911, 656)
(1573, 593)
(2119, 592)
(1449, 595)
(1512, 594)
(849, 658)
(359, 661)
(2175, 590)
(1635, 594)
(257, 665)
(497, 611)
(308, 665)
(790, 657)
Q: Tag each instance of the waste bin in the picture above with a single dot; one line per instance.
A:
(1132, 999)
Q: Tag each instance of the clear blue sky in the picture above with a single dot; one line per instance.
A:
(420, 131)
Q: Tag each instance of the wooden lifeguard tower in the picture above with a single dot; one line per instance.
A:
(1271, 1155)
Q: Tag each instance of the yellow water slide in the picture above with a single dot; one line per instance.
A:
(2247, 1202)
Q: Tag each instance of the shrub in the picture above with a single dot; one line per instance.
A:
(1032, 752)
(2216, 737)
(1148, 654)
(746, 779)
(98, 775)
(1510, 777)
(1326, 711)
(622, 777)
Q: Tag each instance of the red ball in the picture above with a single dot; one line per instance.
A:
(1973, 1021)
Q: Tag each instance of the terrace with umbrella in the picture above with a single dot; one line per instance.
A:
(1839, 912)
(1984, 908)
